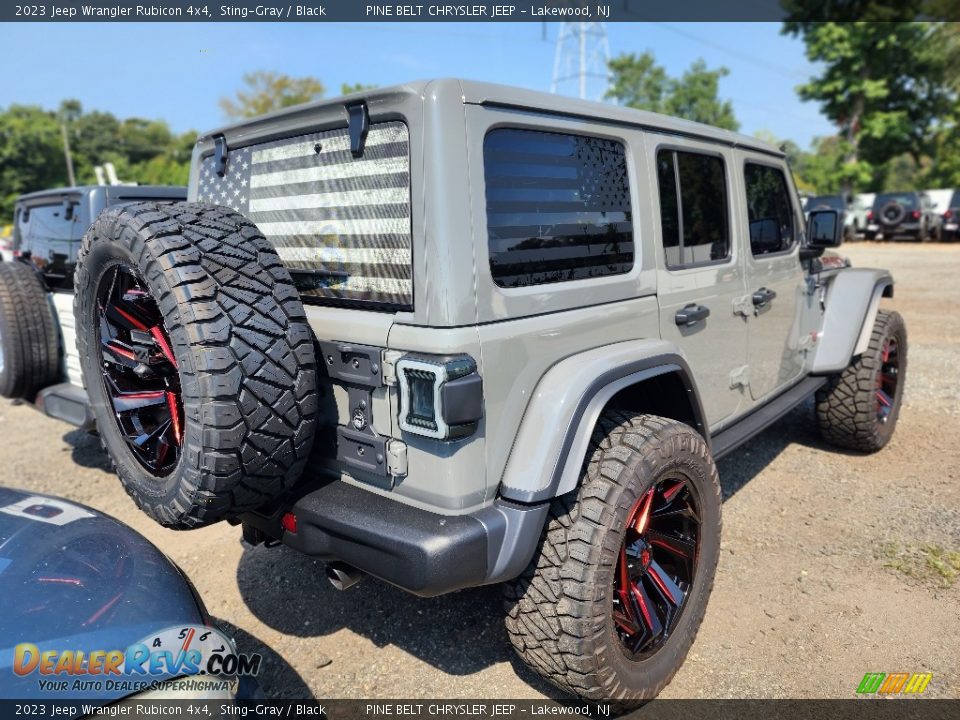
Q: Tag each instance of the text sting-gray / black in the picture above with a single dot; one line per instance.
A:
(340, 224)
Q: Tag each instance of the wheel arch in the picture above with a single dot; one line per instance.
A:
(851, 305)
(646, 376)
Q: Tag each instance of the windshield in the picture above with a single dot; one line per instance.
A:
(907, 200)
(834, 202)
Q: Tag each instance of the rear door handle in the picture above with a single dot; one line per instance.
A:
(763, 296)
(691, 314)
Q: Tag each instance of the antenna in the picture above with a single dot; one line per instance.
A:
(581, 60)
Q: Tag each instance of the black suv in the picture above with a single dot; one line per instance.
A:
(903, 214)
(951, 218)
(49, 225)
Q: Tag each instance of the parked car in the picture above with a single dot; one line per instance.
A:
(78, 581)
(853, 212)
(444, 333)
(951, 217)
(41, 363)
(904, 214)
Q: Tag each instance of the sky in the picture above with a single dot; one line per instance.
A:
(178, 71)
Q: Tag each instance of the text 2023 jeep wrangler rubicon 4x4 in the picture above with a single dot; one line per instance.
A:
(452, 334)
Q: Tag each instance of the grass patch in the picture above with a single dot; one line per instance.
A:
(927, 562)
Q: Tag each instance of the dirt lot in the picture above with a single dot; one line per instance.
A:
(832, 565)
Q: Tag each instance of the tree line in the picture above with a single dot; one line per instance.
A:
(890, 86)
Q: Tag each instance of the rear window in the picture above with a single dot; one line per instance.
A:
(45, 224)
(907, 200)
(558, 207)
(340, 224)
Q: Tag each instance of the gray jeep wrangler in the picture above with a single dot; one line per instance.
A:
(451, 334)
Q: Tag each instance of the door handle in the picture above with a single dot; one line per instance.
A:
(763, 296)
(691, 314)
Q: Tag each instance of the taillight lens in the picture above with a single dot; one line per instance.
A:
(440, 397)
(870, 216)
(915, 214)
(948, 214)
(289, 522)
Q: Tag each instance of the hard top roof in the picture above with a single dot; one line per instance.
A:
(489, 94)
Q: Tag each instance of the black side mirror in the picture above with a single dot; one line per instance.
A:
(824, 229)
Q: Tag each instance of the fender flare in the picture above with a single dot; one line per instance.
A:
(570, 397)
(851, 305)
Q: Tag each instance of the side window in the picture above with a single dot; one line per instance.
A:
(558, 207)
(693, 208)
(769, 210)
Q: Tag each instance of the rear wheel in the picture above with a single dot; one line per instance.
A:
(612, 603)
(29, 340)
(859, 408)
(197, 358)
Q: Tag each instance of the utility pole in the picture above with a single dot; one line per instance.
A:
(66, 153)
(582, 55)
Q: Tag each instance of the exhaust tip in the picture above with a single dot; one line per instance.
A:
(343, 576)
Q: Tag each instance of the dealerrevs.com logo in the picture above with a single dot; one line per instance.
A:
(186, 650)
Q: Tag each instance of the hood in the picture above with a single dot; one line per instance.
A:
(75, 579)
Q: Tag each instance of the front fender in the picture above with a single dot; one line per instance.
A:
(554, 434)
(851, 304)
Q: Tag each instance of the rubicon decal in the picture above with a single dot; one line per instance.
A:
(893, 683)
(173, 652)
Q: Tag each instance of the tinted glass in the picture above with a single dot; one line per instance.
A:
(669, 208)
(695, 228)
(907, 200)
(46, 223)
(558, 207)
(768, 209)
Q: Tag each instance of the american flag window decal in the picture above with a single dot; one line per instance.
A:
(340, 224)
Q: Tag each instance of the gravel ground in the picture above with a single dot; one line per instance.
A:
(828, 567)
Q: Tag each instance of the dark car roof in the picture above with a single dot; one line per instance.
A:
(74, 578)
(113, 192)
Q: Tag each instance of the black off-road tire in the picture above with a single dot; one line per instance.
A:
(847, 405)
(29, 340)
(559, 611)
(244, 352)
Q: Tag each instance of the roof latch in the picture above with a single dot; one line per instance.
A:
(220, 154)
(359, 125)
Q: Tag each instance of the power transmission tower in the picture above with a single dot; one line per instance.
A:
(581, 60)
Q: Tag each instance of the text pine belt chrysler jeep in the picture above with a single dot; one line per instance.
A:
(451, 334)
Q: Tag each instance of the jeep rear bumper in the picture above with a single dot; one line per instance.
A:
(422, 552)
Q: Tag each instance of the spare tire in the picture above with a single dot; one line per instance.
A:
(197, 358)
(29, 340)
(892, 213)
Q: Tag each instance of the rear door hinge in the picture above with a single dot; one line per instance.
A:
(359, 120)
(397, 459)
(220, 154)
(740, 377)
(389, 362)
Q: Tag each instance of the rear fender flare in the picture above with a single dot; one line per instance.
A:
(554, 436)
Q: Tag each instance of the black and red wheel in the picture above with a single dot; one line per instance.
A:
(139, 370)
(657, 564)
(610, 606)
(197, 358)
(859, 408)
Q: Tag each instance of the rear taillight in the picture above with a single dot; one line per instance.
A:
(870, 216)
(948, 214)
(440, 397)
(289, 523)
(915, 214)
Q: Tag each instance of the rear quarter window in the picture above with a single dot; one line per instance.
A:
(558, 207)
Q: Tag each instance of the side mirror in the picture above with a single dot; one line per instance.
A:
(824, 229)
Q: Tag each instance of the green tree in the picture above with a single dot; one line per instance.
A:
(639, 82)
(348, 88)
(266, 91)
(31, 154)
(884, 84)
